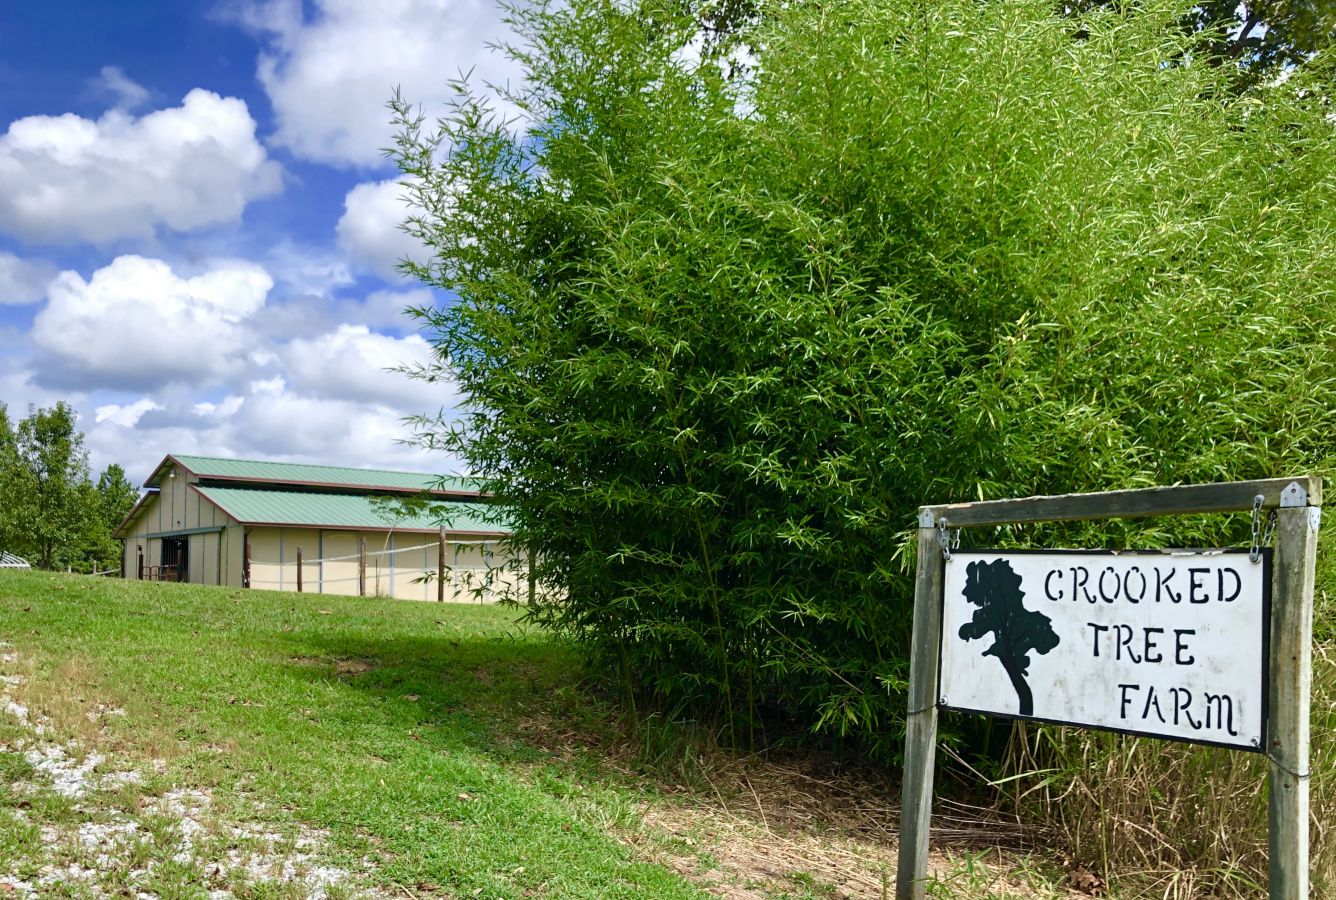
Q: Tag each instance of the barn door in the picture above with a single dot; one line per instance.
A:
(176, 559)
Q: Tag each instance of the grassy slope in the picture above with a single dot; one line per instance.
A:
(390, 724)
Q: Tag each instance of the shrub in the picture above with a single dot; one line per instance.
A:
(720, 335)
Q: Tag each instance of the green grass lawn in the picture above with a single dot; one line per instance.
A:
(247, 744)
(392, 726)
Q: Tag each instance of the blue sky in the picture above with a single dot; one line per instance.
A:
(198, 230)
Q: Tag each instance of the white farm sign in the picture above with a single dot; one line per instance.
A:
(1170, 644)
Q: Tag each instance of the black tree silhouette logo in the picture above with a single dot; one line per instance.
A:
(996, 589)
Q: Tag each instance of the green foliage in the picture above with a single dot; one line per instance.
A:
(721, 336)
(50, 511)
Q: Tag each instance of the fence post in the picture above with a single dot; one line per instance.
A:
(140, 573)
(1290, 700)
(440, 568)
(299, 570)
(361, 567)
(921, 723)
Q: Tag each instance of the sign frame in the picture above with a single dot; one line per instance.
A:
(1297, 503)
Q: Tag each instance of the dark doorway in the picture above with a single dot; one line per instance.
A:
(175, 559)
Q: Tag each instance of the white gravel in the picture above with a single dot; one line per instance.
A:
(222, 852)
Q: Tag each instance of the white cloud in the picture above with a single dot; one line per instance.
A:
(23, 280)
(125, 93)
(307, 270)
(126, 416)
(369, 229)
(136, 323)
(65, 179)
(274, 422)
(329, 77)
(354, 363)
(386, 309)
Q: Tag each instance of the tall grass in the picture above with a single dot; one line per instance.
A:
(1172, 820)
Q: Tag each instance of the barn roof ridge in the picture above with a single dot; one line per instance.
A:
(271, 472)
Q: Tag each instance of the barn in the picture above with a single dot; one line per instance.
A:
(318, 529)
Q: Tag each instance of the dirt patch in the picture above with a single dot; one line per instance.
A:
(347, 668)
(798, 824)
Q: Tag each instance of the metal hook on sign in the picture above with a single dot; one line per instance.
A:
(948, 539)
(1261, 536)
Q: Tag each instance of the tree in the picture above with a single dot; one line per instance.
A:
(1259, 38)
(116, 496)
(50, 504)
(995, 589)
(719, 337)
(9, 482)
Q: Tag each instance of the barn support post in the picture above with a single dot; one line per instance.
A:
(533, 583)
(299, 570)
(245, 560)
(440, 568)
(454, 576)
(1291, 694)
(921, 723)
(361, 566)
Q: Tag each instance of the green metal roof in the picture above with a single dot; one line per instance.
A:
(257, 506)
(301, 473)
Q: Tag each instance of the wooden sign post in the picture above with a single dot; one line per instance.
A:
(1206, 646)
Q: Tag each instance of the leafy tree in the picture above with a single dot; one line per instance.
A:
(50, 504)
(1259, 38)
(116, 496)
(9, 482)
(995, 589)
(719, 337)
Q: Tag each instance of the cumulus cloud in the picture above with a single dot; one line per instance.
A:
(309, 314)
(160, 360)
(269, 420)
(369, 229)
(23, 280)
(354, 363)
(329, 75)
(67, 179)
(137, 324)
(307, 270)
(126, 415)
(124, 92)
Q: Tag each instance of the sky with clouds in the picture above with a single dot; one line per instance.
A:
(198, 228)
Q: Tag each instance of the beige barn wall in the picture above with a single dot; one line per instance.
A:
(330, 564)
(143, 526)
(179, 507)
(234, 542)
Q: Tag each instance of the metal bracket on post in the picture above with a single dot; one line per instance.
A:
(1293, 495)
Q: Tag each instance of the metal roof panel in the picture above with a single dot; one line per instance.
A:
(258, 506)
(304, 473)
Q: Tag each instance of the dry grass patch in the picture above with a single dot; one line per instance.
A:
(748, 827)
